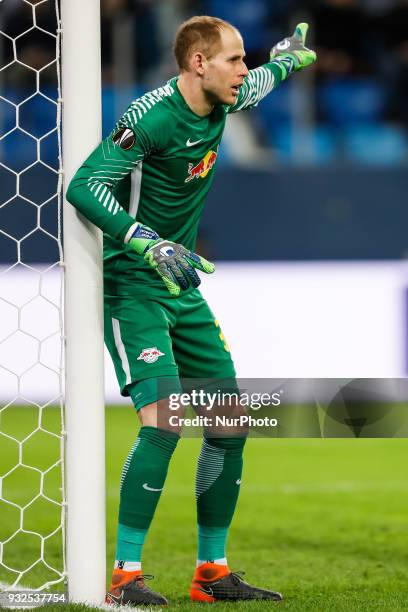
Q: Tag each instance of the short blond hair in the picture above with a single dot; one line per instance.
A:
(201, 33)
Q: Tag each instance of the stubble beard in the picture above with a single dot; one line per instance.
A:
(214, 98)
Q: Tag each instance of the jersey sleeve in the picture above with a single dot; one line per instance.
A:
(257, 84)
(92, 189)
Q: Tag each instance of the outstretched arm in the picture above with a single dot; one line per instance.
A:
(287, 56)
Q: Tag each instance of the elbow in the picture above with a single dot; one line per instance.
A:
(71, 193)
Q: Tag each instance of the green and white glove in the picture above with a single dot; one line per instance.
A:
(291, 53)
(173, 263)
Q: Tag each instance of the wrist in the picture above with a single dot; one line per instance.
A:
(130, 232)
(140, 237)
(276, 71)
(286, 65)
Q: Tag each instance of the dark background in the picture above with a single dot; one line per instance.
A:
(317, 171)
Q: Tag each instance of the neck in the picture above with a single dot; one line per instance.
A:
(190, 88)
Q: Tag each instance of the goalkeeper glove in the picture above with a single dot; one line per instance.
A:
(173, 263)
(292, 53)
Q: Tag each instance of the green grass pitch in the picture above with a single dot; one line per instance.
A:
(322, 521)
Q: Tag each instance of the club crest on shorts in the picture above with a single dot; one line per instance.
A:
(150, 355)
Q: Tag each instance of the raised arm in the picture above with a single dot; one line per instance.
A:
(289, 55)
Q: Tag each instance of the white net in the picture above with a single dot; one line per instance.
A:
(32, 502)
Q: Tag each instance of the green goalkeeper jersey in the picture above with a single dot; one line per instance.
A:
(156, 167)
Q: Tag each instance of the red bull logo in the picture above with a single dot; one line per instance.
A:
(150, 355)
(203, 167)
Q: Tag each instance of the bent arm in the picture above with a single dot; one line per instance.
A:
(95, 187)
(92, 189)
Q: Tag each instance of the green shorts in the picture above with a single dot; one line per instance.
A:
(154, 338)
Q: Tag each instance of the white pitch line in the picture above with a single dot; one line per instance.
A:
(4, 586)
(290, 488)
(351, 486)
(124, 608)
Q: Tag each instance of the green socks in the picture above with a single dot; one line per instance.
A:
(211, 543)
(129, 544)
(143, 477)
(218, 482)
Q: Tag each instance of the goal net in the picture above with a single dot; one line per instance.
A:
(52, 490)
(32, 499)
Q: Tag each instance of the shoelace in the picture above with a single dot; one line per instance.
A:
(141, 577)
(236, 577)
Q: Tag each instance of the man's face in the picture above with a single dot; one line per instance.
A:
(224, 72)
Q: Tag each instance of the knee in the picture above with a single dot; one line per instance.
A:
(234, 444)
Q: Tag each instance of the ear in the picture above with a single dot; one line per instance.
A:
(197, 62)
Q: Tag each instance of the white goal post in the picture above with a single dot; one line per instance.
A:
(84, 381)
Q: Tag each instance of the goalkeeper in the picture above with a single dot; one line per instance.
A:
(145, 187)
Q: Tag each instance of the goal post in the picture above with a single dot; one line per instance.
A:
(84, 380)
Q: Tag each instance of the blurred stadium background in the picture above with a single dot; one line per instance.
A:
(311, 183)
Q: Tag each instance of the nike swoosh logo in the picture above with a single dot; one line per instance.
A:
(206, 590)
(238, 482)
(115, 600)
(191, 144)
(146, 486)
